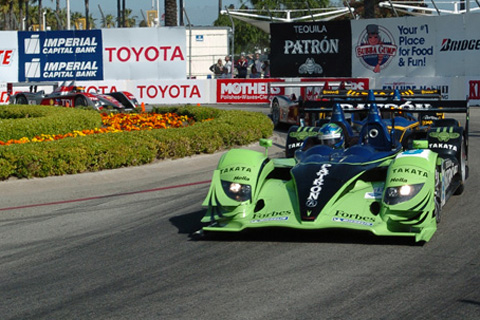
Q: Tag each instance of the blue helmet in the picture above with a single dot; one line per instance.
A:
(331, 135)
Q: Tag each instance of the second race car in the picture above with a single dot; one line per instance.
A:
(71, 95)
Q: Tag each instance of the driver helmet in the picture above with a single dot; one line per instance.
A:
(331, 134)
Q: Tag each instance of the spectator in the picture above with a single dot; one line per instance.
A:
(217, 69)
(266, 69)
(256, 68)
(227, 68)
(242, 66)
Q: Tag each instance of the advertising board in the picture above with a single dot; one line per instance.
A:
(246, 90)
(8, 56)
(159, 53)
(60, 55)
(317, 49)
(156, 91)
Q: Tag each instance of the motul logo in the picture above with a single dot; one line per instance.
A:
(474, 90)
(460, 45)
(6, 57)
(245, 88)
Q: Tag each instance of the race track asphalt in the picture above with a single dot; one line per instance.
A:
(118, 244)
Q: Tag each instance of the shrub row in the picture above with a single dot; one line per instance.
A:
(223, 129)
(28, 121)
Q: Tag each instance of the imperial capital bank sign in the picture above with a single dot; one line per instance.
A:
(60, 55)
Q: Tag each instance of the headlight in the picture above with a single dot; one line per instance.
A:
(237, 191)
(395, 195)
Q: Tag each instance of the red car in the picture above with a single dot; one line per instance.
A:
(71, 95)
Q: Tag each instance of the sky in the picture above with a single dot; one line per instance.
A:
(200, 12)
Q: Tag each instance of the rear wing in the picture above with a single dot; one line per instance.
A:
(303, 85)
(381, 94)
(421, 106)
(33, 86)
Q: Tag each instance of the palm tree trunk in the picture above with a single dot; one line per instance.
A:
(170, 13)
(40, 15)
(87, 14)
(57, 10)
(20, 8)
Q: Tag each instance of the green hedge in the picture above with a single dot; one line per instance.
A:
(121, 149)
(28, 121)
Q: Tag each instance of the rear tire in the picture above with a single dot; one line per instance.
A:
(21, 100)
(80, 101)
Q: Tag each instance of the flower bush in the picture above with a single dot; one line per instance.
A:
(214, 130)
(117, 122)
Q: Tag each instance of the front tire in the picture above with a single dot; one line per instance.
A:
(438, 197)
(275, 113)
(463, 168)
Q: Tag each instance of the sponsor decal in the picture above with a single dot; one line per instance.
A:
(235, 169)
(415, 153)
(404, 105)
(402, 180)
(60, 55)
(100, 89)
(173, 91)
(474, 89)
(443, 135)
(449, 44)
(412, 171)
(311, 49)
(4, 97)
(248, 91)
(342, 216)
(241, 178)
(310, 67)
(271, 216)
(313, 92)
(302, 134)
(376, 194)
(317, 186)
(450, 169)
(144, 54)
(311, 46)
(269, 219)
(6, 56)
(375, 47)
(443, 146)
(294, 145)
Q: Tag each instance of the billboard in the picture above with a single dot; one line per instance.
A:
(159, 53)
(60, 55)
(8, 56)
(393, 47)
(317, 49)
(246, 90)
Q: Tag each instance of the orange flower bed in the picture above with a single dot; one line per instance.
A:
(117, 123)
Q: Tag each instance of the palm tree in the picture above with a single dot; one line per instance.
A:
(108, 21)
(129, 22)
(170, 13)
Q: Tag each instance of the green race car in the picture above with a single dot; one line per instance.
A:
(377, 183)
